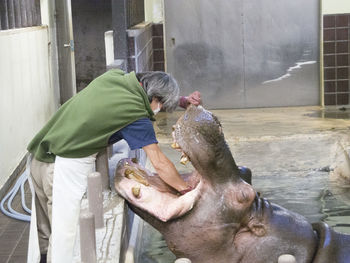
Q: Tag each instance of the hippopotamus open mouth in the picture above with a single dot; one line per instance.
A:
(222, 219)
(147, 191)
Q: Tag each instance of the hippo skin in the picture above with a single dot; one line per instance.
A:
(222, 219)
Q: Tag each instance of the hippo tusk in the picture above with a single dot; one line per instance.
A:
(130, 174)
(184, 159)
(175, 145)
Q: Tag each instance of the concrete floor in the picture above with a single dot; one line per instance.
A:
(283, 137)
(14, 234)
(290, 136)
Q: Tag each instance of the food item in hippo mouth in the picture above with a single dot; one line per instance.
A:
(136, 191)
(131, 174)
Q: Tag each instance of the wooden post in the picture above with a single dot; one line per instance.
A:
(87, 238)
(95, 198)
(102, 168)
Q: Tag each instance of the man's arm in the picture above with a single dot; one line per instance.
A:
(165, 168)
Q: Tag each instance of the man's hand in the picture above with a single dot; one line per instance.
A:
(194, 98)
(164, 167)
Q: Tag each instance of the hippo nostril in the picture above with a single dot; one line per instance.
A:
(242, 197)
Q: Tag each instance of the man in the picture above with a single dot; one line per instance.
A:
(112, 107)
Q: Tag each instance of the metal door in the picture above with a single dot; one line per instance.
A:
(241, 54)
(65, 49)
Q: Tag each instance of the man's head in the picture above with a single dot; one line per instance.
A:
(160, 87)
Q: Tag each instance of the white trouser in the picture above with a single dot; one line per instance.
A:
(33, 255)
(69, 186)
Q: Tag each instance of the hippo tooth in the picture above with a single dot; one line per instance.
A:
(136, 191)
(130, 174)
(184, 159)
(175, 145)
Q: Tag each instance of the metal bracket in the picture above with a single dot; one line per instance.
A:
(71, 45)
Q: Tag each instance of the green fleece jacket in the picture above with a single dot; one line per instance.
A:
(83, 125)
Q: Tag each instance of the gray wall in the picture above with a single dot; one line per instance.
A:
(241, 54)
(91, 19)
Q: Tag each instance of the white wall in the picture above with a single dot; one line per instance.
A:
(335, 6)
(154, 11)
(28, 87)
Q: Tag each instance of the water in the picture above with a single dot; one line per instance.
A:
(313, 196)
(331, 114)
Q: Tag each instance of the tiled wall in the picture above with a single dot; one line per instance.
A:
(158, 47)
(140, 48)
(146, 48)
(336, 50)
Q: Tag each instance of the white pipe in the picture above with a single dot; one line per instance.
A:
(11, 195)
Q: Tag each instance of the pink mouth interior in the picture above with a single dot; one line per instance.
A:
(147, 191)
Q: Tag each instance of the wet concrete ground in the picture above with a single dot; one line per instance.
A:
(271, 139)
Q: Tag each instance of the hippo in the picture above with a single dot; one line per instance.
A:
(223, 219)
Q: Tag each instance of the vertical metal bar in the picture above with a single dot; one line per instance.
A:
(29, 13)
(71, 41)
(11, 13)
(33, 11)
(3, 15)
(94, 194)
(38, 12)
(119, 21)
(18, 18)
(23, 8)
(87, 238)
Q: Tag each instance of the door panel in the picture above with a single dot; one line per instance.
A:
(201, 57)
(245, 53)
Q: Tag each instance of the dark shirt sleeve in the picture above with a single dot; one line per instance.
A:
(138, 134)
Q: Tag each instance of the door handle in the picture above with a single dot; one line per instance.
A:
(70, 45)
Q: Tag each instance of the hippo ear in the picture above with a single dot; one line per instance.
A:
(257, 228)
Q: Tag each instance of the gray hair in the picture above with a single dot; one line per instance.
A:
(162, 86)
